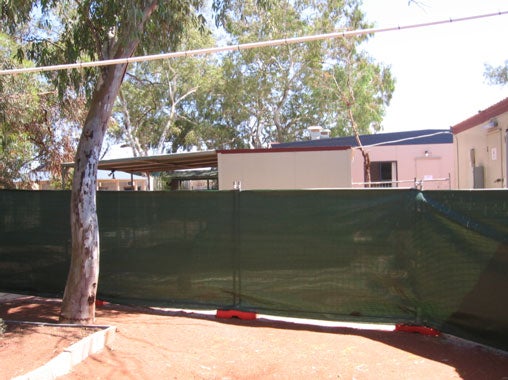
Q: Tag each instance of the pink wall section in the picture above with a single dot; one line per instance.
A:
(412, 162)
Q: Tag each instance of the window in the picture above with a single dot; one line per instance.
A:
(383, 171)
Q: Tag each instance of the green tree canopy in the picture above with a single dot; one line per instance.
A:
(255, 97)
(37, 131)
(497, 75)
(275, 93)
(157, 110)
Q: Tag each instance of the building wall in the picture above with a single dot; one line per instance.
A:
(272, 169)
(412, 162)
(482, 148)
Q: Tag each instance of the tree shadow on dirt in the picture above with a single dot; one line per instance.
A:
(30, 309)
(470, 360)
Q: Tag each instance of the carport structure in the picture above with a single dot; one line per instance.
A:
(151, 164)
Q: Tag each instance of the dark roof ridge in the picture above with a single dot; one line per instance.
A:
(422, 136)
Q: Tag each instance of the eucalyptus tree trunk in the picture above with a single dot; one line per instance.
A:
(365, 153)
(79, 298)
(78, 304)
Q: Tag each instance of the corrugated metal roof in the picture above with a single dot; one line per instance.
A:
(166, 162)
(425, 136)
(482, 117)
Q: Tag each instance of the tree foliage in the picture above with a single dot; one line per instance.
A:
(37, 130)
(497, 75)
(275, 93)
(355, 92)
(71, 31)
(252, 98)
(157, 110)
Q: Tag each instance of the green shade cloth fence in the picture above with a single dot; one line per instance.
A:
(437, 258)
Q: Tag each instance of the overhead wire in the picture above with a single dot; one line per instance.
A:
(403, 139)
(239, 47)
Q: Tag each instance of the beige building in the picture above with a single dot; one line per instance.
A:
(284, 168)
(481, 148)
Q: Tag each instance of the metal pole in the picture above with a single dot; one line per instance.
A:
(283, 41)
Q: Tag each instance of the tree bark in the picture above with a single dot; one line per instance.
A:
(366, 166)
(78, 304)
(79, 298)
(365, 154)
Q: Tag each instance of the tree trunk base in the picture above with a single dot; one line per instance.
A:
(75, 321)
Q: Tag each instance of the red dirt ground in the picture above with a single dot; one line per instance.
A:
(159, 344)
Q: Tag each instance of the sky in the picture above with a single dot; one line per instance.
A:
(439, 70)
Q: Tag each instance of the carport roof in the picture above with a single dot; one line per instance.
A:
(162, 163)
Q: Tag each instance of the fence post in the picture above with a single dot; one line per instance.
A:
(237, 278)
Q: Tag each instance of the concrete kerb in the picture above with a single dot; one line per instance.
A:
(63, 363)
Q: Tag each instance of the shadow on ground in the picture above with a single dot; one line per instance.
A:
(470, 360)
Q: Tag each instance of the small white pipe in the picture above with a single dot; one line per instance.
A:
(252, 45)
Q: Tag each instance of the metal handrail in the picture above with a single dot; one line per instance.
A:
(417, 183)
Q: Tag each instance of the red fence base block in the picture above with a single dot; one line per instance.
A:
(235, 314)
(424, 330)
(99, 303)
